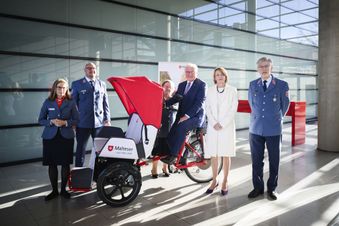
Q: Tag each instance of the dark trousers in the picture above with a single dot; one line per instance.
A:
(82, 137)
(177, 134)
(257, 145)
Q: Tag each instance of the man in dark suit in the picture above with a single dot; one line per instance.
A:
(90, 95)
(269, 101)
(191, 112)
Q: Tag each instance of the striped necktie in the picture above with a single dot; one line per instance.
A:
(92, 84)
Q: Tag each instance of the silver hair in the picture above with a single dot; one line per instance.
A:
(265, 59)
(90, 63)
(194, 66)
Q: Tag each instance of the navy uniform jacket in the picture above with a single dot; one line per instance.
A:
(192, 103)
(268, 108)
(50, 110)
(91, 116)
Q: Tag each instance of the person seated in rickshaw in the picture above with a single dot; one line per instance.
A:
(161, 147)
(191, 112)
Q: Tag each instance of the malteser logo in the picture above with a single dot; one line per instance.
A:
(118, 148)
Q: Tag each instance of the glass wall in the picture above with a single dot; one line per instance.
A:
(48, 39)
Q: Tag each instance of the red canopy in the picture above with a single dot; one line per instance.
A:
(140, 95)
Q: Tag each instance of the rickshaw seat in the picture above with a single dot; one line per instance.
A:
(110, 131)
(134, 130)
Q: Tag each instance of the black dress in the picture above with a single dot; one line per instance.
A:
(57, 151)
(160, 145)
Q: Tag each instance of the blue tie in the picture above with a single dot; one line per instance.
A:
(188, 86)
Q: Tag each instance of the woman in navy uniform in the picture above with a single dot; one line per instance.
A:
(269, 101)
(59, 115)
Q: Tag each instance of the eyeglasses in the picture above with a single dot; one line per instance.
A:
(264, 66)
(60, 87)
(90, 68)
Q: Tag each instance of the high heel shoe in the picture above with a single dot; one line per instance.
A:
(224, 192)
(154, 175)
(210, 190)
(165, 173)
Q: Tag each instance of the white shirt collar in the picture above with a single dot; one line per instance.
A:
(88, 79)
(190, 82)
(269, 80)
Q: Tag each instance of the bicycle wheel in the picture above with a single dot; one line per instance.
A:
(119, 184)
(201, 173)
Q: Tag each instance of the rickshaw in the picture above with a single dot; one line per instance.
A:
(119, 155)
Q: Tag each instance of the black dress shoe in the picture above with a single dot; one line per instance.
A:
(65, 194)
(52, 195)
(255, 193)
(273, 195)
(170, 159)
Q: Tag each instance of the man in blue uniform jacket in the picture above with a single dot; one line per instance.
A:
(269, 101)
(90, 95)
(191, 112)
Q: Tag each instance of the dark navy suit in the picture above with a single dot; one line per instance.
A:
(192, 105)
(268, 110)
(94, 111)
(50, 110)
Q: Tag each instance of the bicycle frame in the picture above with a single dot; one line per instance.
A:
(189, 147)
(185, 145)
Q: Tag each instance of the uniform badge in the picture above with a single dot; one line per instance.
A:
(83, 91)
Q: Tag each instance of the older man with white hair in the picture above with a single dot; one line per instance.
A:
(191, 112)
(268, 97)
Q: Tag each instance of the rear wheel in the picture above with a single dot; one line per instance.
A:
(119, 184)
(200, 173)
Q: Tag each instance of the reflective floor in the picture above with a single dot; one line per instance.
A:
(308, 188)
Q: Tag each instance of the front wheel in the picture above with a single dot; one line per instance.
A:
(201, 173)
(119, 184)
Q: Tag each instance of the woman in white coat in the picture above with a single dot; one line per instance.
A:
(221, 106)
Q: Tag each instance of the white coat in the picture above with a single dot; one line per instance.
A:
(221, 107)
